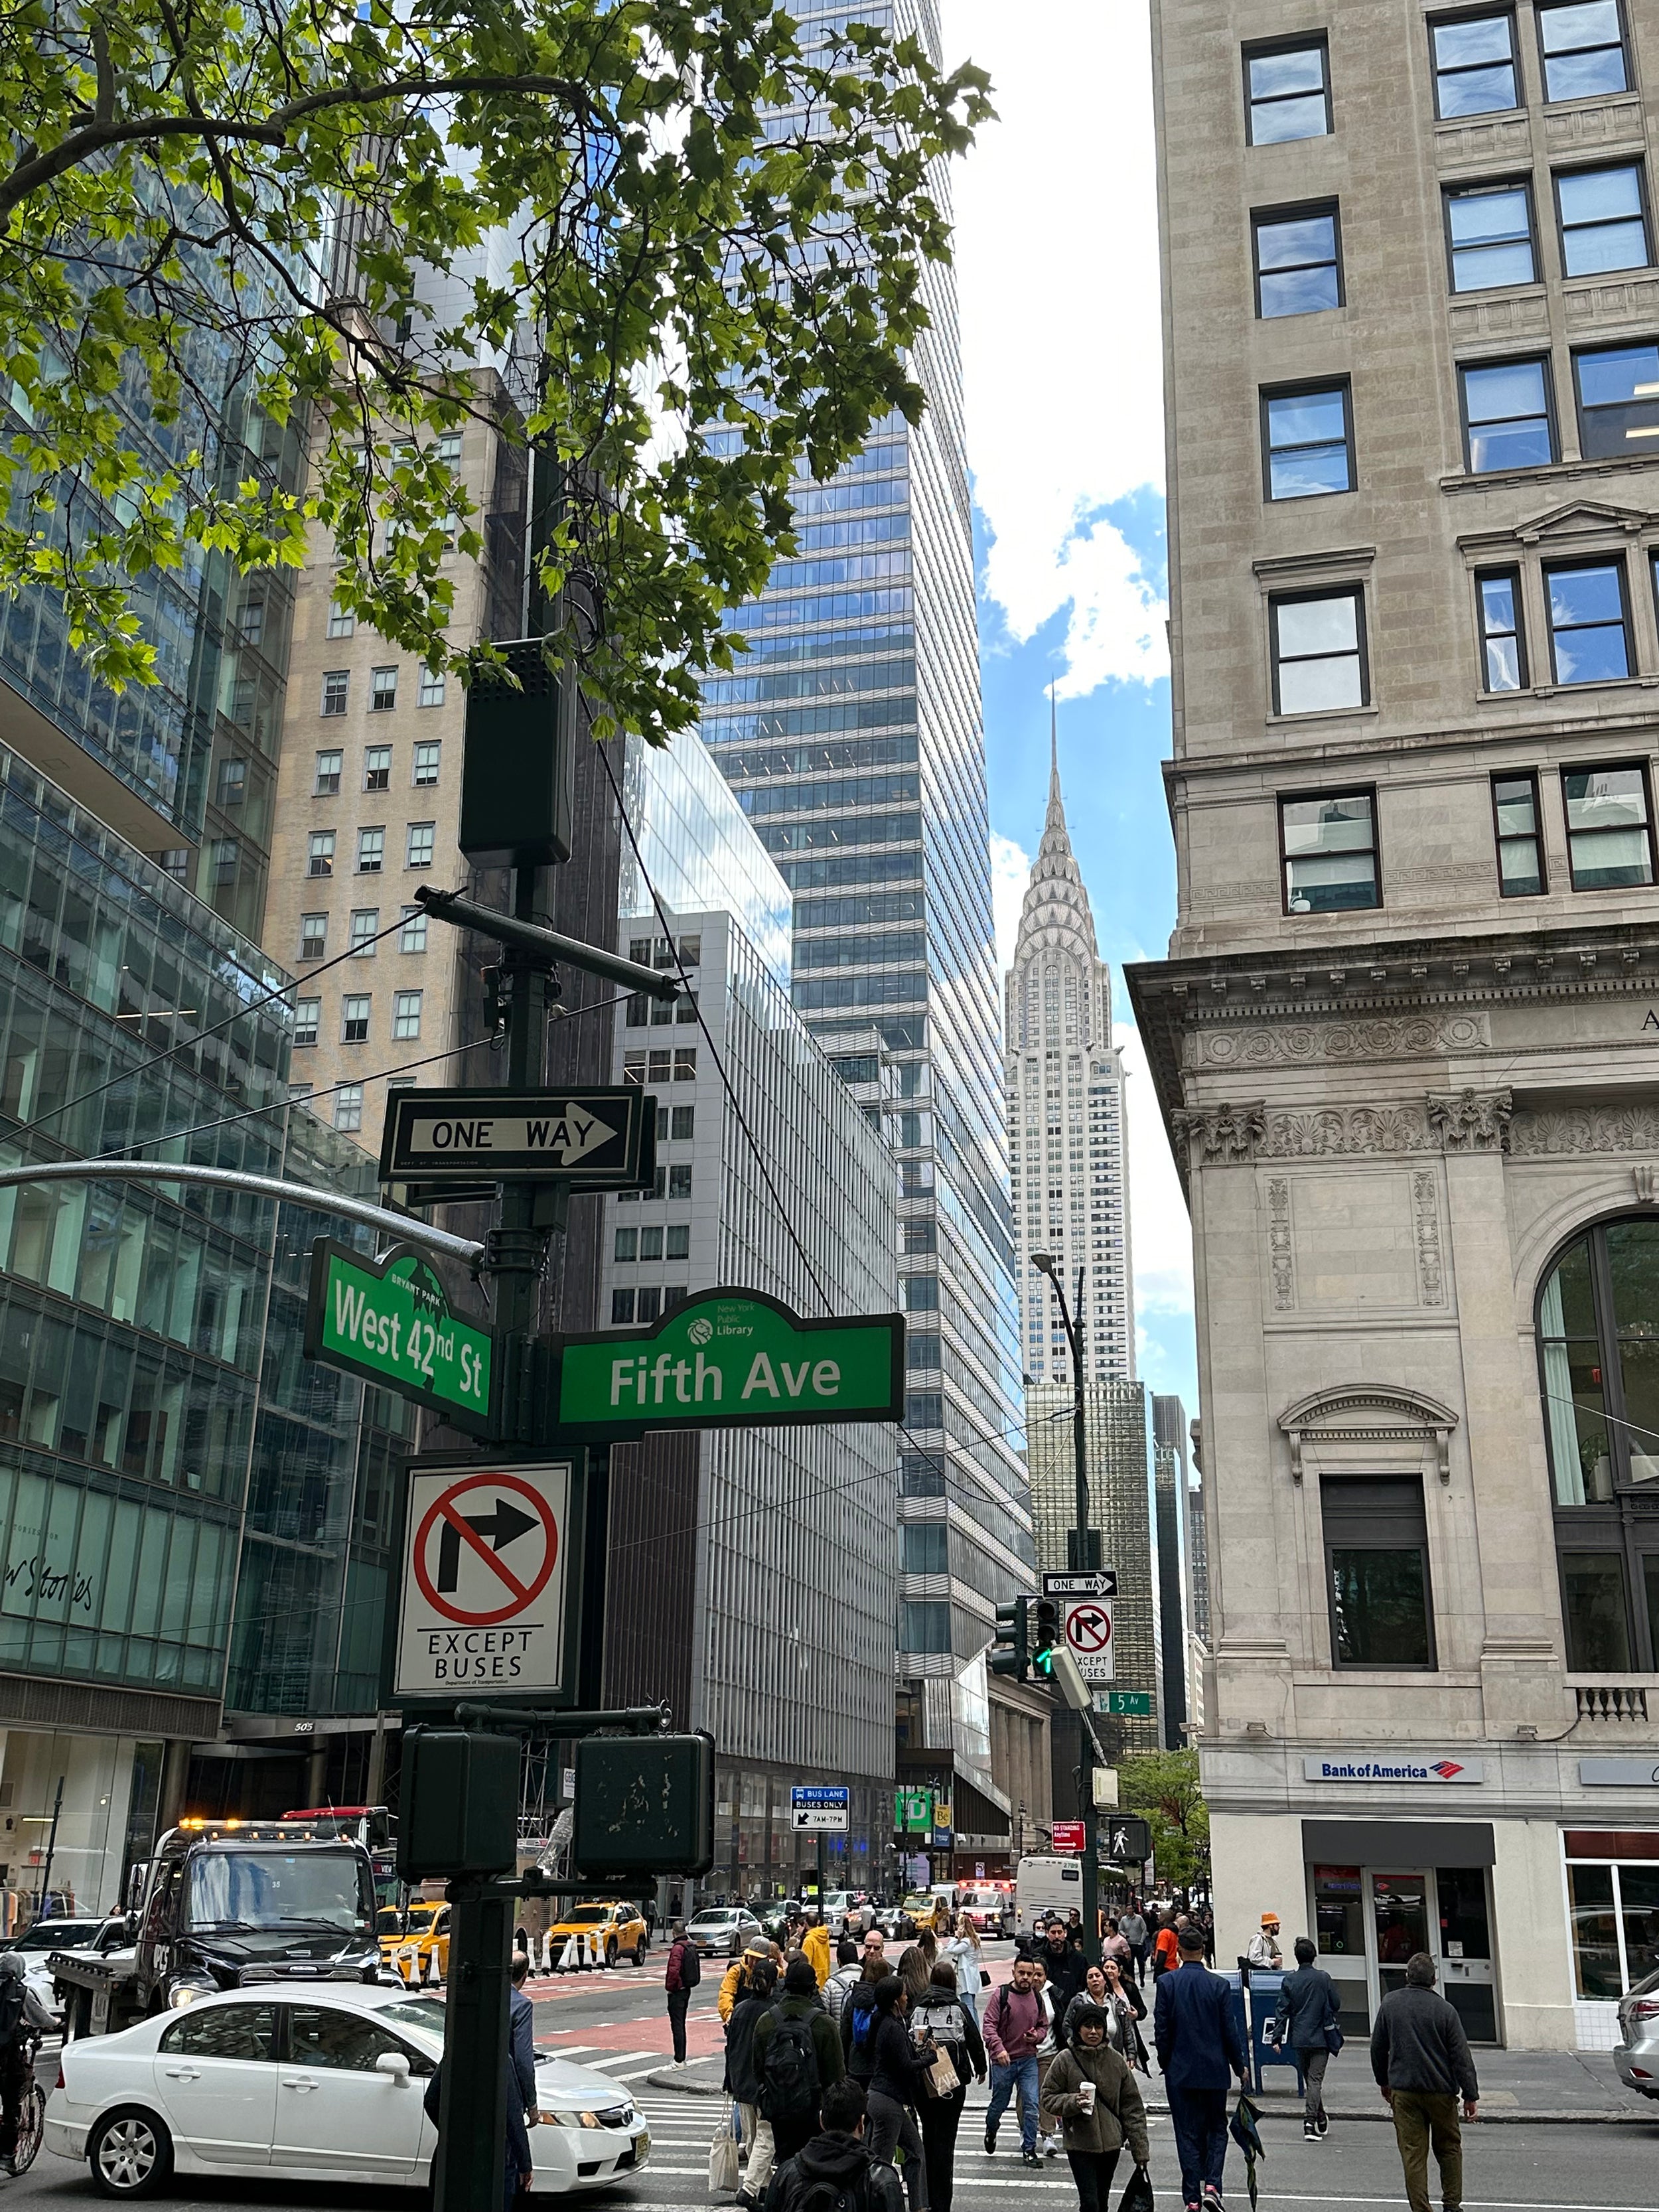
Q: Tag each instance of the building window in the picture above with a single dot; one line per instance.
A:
(1318, 652)
(320, 854)
(406, 1016)
(924, 1627)
(925, 1548)
(1609, 827)
(412, 936)
(377, 767)
(337, 686)
(676, 1241)
(383, 690)
(621, 1307)
(685, 1064)
(251, 622)
(1503, 648)
(627, 1245)
(431, 693)
(651, 1243)
(1287, 92)
(1613, 1909)
(349, 1106)
(1328, 848)
(175, 862)
(371, 851)
(341, 623)
(1583, 48)
(327, 783)
(1489, 237)
(1474, 65)
(232, 782)
(1307, 440)
(1507, 419)
(354, 1021)
(1604, 223)
(684, 1122)
(418, 852)
(1589, 623)
(1598, 1339)
(679, 1181)
(1520, 832)
(223, 856)
(307, 1014)
(313, 936)
(647, 1305)
(1376, 1569)
(1618, 401)
(365, 928)
(427, 756)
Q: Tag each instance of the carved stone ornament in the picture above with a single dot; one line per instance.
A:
(1385, 1037)
(1343, 1129)
(1586, 1129)
(1472, 1121)
(1365, 1413)
(1216, 1135)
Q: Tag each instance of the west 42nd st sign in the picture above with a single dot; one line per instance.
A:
(730, 1358)
(389, 1322)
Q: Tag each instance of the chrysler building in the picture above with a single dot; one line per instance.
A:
(1066, 1136)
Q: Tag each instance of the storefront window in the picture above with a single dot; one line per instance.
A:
(1598, 1344)
(1338, 1912)
(1613, 1880)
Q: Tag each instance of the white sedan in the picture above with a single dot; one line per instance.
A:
(320, 2084)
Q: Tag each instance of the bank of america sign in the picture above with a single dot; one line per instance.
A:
(1442, 1770)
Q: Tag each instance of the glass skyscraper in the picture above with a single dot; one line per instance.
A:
(852, 735)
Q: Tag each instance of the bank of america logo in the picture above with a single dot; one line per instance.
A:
(1445, 1768)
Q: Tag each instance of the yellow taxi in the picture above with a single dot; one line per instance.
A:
(409, 1939)
(618, 1927)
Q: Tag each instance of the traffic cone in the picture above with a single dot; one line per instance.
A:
(567, 1960)
(434, 1977)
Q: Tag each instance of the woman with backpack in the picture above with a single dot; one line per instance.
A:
(741, 2081)
(943, 2019)
(895, 2084)
(858, 2018)
(1093, 2097)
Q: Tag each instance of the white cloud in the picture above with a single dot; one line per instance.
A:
(1011, 869)
(1057, 246)
(1160, 1231)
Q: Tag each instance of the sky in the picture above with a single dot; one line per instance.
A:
(1059, 320)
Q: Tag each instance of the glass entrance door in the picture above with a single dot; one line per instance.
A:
(1463, 1953)
(1402, 1917)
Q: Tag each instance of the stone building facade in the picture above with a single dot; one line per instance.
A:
(1404, 1036)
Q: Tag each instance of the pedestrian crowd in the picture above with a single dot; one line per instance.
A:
(848, 2069)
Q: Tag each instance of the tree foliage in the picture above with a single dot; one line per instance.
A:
(694, 237)
(1163, 1787)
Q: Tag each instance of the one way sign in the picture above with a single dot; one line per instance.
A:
(594, 1140)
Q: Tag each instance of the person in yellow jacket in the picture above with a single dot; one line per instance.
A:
(735, 1980)
(815, 1946)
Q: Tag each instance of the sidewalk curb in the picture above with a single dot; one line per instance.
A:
(670, 2079)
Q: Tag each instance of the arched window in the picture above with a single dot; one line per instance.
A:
(1598, 1340)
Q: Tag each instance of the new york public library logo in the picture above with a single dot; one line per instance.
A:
(33, 1579)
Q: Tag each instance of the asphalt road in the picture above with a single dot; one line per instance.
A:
(617, 2023)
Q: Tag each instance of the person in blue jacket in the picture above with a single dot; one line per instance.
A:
(1198, 2049)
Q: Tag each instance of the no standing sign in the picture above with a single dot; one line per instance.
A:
(483, 1585)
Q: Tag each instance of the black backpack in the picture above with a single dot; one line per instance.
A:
(822, 2195)
(690, 1966)
(789, 2070)
(11, 2010)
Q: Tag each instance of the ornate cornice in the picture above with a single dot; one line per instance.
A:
(1467, 1121)
(1368, 1413)
(1470, 1120)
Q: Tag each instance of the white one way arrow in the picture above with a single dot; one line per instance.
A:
(565, 1134)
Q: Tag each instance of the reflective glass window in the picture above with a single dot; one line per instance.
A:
(1287, 93)
(1318, 652)
(1308, 442)
(1474, 71)
(1506, 414)
(1298, 268)
(1590, 639)
(1603, 219)
(1583, 48)
(1618, 401)
(1489, 237)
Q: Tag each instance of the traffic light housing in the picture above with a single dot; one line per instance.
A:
(1009, 1654)
(1048, 1634)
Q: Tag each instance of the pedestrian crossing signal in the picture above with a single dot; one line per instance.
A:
(1048, 1634)
(1008, 1654)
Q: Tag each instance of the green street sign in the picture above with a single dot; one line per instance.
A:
(389, 1322)
(1128, 1704)
(728, 1359)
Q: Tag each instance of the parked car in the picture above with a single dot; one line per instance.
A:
(323, 2085)
(39, 1941)
(1636, 2054)
(619, 1927)
(408, 1949)
(724, 1931)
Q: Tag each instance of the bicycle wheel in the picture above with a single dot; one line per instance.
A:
(31, 2128)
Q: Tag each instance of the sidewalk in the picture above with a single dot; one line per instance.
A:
(1541, 2087)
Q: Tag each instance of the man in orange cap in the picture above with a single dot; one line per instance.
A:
(1264, 1952)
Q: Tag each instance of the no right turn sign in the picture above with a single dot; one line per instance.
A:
(484, 1593)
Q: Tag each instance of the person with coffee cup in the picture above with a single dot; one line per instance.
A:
(1092, 2096)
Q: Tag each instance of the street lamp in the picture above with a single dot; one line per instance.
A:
(1046, 1264)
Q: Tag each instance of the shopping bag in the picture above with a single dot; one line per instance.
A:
(941, 2078)
(723, 2158)
(1138, 2196)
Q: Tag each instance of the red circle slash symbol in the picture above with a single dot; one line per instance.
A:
(1089, 1628)
(486, 1535)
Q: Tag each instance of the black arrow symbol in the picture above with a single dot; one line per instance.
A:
(504, 1527)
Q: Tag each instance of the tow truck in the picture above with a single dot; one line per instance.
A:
(224, 1905)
